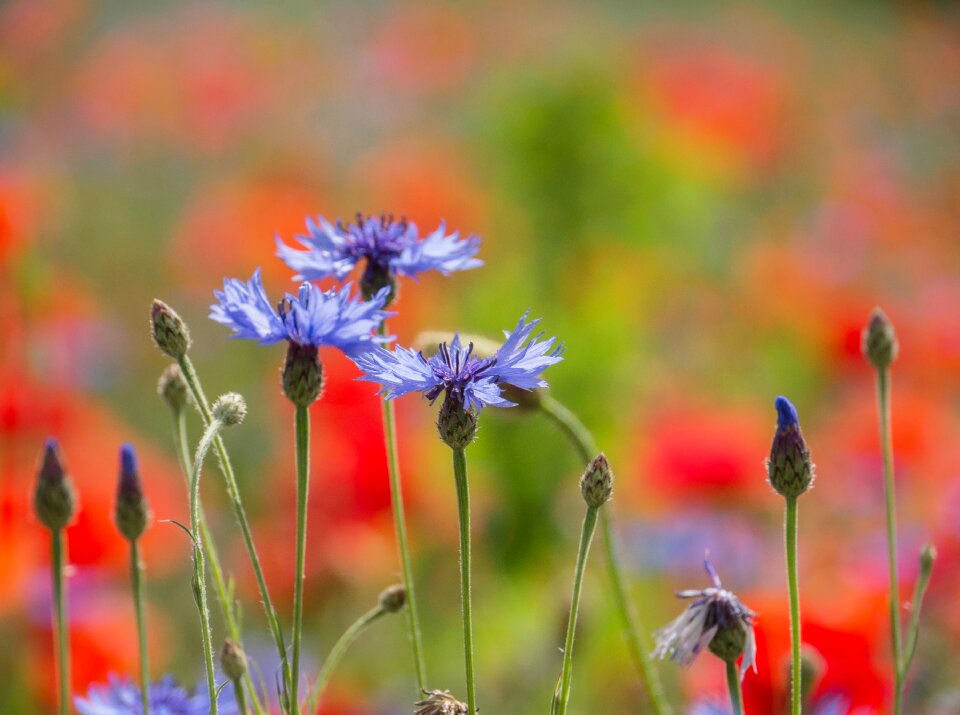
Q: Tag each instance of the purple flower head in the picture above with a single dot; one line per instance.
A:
(122, 697)
(312, 317)
(786, 413)
(388, 246)
(471, 381)
(716, 619)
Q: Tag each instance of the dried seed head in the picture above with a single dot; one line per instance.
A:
(230, 409)
(879, 342)
(55, 499)
(170, 333)
(440, 702)
(393, 598)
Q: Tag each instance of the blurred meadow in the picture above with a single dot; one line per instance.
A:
(703, 201)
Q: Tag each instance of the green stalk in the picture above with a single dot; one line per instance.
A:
(200, 581)
(581, 439)
(463, 511)
(920, 590)
(227, 605)
(400, 526)
(136, 573)
(239, 697)
(790, 539)
(883, 406)
(586, 537)
(59, 539)
(733, 685)
(337, 652)
(233, 492)
(302, 429)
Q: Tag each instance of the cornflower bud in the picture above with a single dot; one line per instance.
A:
(172, 388)
(230, 409)
(879, 342)
(790, 470)
(596, 484)
(302, 374)
(393, 598)
(233, 660)
(55, 499)
(457, 425)
(132, 512)
(170, 333)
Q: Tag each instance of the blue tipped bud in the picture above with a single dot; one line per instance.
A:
(54, 500)
(789, 468)
(132, 512)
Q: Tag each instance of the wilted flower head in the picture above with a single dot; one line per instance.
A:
(390, 248)
(122, 697)
(469, 381)
(312, 317)
(716, 620)
(440, 702)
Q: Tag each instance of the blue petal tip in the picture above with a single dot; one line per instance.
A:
(128, 459)
(786, 413)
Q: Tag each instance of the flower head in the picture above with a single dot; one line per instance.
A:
(122, 697)
(389, 248)
(131, 512)
(716, 620)
(469, 381)
(54, 499)
(440, 702)
(312, 317)
(790, 469)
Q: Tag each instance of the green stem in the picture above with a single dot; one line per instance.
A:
(337, 652)
(238, 695)
(581, 439)
(790, 539)
(233, 492)
(913, 630)
(136, 573)
(224, 598)
(883, 406)
(302, 429)
(733, 685)
(59, 539)
(400, 526)
(200, 579)
(586, 537)
(463, 510)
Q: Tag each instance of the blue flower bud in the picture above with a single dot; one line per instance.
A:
(789, 468)
(132, 512)
(54, 500)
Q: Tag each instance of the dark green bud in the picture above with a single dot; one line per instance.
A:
(729, 641)
(457, 426)
(172, 388)
(927, 556)
(229, 409)
(170, 333)
(790, 469)
(233, 660)
(132, 512)
(393, 598)
(54, 499)
(374, 279)
(302, 374)
(596, 484)
(879, 342)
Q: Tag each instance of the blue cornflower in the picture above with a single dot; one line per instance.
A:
(390, 248)
(467, 379)
(122, 697)
(717, 620)
(312, 317)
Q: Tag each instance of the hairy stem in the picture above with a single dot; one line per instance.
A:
(302, 430)
(463, 511)
(58, 548)
(136, 573)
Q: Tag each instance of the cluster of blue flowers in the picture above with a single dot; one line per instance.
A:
(122, 697)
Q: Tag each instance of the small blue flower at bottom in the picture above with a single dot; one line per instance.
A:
(122, 697)
(468, 380)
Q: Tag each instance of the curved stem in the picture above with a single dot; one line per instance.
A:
(136, 573)
(913, 629)
(58, 548)
(630, 623)
(790, 539)
(400, 526)
(337, 652)
(224, 598)
(883, 407)
(233, 492)
(586, 537)
(302, 430)
(200, 581)
(463, 511)
(733, 685)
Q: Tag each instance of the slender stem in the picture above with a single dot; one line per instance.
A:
(336, 654)
(586, 537)
(630, 623)
(790, 539)
(233, 492)
(136, 573)
(913, 629)
(302, 429)
(200, 581)
(733, 685)
(239, 696)
(59, 540)
(883, 406)
(400, 526)
(463, 510)
(224, 598)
